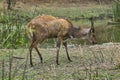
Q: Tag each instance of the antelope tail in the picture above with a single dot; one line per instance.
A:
(30, 30)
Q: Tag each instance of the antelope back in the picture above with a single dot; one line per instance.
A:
(42, 19)
(58, 27)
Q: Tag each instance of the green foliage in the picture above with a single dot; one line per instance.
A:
(76, 12)
(13, 23)
(13, 29)
(116, 11)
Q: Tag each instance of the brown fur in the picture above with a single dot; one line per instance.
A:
(39, 20)
(44, 27)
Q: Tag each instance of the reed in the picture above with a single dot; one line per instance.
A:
(12, 31)
(116, 11)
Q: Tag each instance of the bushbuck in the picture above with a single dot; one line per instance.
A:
(44, 27)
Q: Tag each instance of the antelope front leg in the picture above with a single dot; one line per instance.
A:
(59, 40)
(65, 44)
(36, 48)
(41, 59)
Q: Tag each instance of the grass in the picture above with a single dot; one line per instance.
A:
(116, 10)
(98, 62)
(71, 11)
(13, 23)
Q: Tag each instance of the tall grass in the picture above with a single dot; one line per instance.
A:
(13, 30)
(11, 71)
(91, 63)
(3, 70)
(116, 10)
(13, 23)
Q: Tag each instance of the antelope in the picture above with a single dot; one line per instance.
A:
(44, 27)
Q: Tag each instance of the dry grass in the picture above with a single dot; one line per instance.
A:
(98, 62)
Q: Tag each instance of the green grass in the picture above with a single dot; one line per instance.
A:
(74, 11)
(116, 11)
(98, 62)
(13, 23)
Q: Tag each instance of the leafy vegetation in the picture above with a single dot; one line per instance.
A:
(98, 62)
(13, 22)
(116, 11)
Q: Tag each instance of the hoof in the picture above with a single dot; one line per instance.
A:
(58, 64)
(31, 65)
(70, 60)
